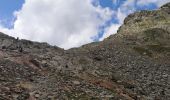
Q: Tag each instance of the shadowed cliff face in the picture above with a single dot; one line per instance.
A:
(130, 65)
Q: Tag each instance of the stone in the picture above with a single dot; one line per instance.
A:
(37, 95)
(23, 96)
(76, 82)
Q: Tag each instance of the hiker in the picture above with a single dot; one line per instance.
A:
(20, 49)
(19, 46)
(17, 39)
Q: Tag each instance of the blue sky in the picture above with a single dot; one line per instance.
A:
(7, 8)
(117, 4)
(109, 3)
(68, 23)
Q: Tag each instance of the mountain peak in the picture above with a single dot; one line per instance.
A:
(140, 21)
(166, 6)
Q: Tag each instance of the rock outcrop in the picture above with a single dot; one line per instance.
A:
(130, 65)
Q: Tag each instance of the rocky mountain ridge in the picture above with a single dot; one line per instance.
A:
(130, 65)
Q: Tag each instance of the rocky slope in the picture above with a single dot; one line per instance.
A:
(130, 65)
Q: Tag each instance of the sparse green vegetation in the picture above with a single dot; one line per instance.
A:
(159, 48)
(153, 34)
(83, 61)
(78, 96)
(142, 51)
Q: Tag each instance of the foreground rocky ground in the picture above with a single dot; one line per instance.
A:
(134, 64)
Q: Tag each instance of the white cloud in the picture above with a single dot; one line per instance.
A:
(110, 30)
(6, 30)
(63, 23)
(121, 16)
(129, 6)
(115, 1)
(125, 9)
(157, 2)
(69, 23)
